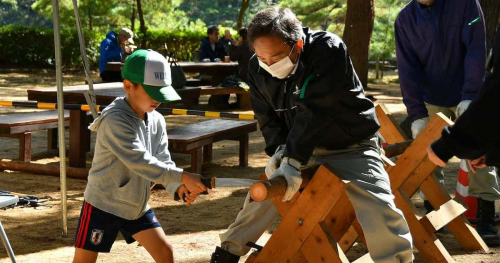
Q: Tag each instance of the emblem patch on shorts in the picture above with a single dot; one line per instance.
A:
(96, 236)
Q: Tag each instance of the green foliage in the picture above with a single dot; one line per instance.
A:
(20, 11)
(31, 46)
(326, 15)
(383, 39)
(183, 44)
(220, 12)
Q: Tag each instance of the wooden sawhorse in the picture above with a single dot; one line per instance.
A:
(325, 231)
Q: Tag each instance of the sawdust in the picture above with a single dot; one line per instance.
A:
(35, 234)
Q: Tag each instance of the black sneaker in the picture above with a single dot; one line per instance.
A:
(223, 256)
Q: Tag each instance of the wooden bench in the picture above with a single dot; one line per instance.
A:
(21, 125)
(195, 138)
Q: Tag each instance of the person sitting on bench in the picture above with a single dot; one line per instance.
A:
(112, 48)
(311, 109)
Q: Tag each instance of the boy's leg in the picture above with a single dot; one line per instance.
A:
(84, 256)
(372, 199)
(155, 242)
(148, 232)
(96, 232)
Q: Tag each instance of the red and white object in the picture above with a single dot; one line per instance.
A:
(463, 191)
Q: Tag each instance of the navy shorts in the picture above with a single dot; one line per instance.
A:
(97, 230)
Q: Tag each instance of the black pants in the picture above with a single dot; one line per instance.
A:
(111, 76)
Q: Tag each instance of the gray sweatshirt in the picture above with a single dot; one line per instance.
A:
(130, 153)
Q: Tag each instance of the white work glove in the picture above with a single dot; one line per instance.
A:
(275, 161)
(418, 125)
(462, 107)
(289, 169)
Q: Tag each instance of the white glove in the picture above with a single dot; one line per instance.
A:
(462, 107)
(275, 161)
(289, 169)
(418, 125)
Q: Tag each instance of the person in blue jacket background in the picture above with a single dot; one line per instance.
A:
(441, 55)
(112, 48)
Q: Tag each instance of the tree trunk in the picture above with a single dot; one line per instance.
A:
(383, 68)
(357, 34)
(142, 24)
(132, 19)
(241, 15)
(491, 10)
(377, 67)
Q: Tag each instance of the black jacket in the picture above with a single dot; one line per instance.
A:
(477, 132)
(206, 50)
(321, 105)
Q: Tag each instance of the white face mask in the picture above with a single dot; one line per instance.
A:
(280, 69)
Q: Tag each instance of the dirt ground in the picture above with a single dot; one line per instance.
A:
(35, 234)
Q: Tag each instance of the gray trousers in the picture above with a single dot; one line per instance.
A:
(386, 231)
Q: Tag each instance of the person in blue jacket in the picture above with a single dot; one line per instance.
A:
(112, 48)
(441, 55)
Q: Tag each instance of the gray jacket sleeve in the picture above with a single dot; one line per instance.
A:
(163, 155)
(124, 142)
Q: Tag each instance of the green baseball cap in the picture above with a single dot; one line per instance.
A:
(152, 71)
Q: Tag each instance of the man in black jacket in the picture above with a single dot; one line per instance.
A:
(312, 109)
(210, 47)
(475, 137)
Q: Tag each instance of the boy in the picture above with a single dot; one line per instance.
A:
(131, 152)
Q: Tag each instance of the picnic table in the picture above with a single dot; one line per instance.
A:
(218, 70)
(79, 135)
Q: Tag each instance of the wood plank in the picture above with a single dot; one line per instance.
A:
(77, 139)
(389, 128)
(219, 128)
(196, 160)
(437, 219)
(244, 150)
(22, 119)
(25, 147)
(207, 153)
(52, 139)
(467, 236)
(322, 191)
(320, 246)
(339, 223)
(416, 152)
(348, 239)
(428, 245)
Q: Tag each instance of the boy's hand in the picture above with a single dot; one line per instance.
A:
(184, 194)
(193, 183)
(478, 163)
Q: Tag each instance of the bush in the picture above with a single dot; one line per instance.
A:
(32, 46)
(23, 46)
(183, 44)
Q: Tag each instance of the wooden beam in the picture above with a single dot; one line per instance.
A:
(389, 128)
(416, 153)
(429, 246)
(465, 234)
(43, 169)
(437, 219)
(323, 191)
(320, 246)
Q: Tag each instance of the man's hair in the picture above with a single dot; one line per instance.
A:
(211, 29)
(275, 21)
(243, 33)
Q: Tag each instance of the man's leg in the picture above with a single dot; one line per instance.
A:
(249, 225)
(386, 231)
(484, 186)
